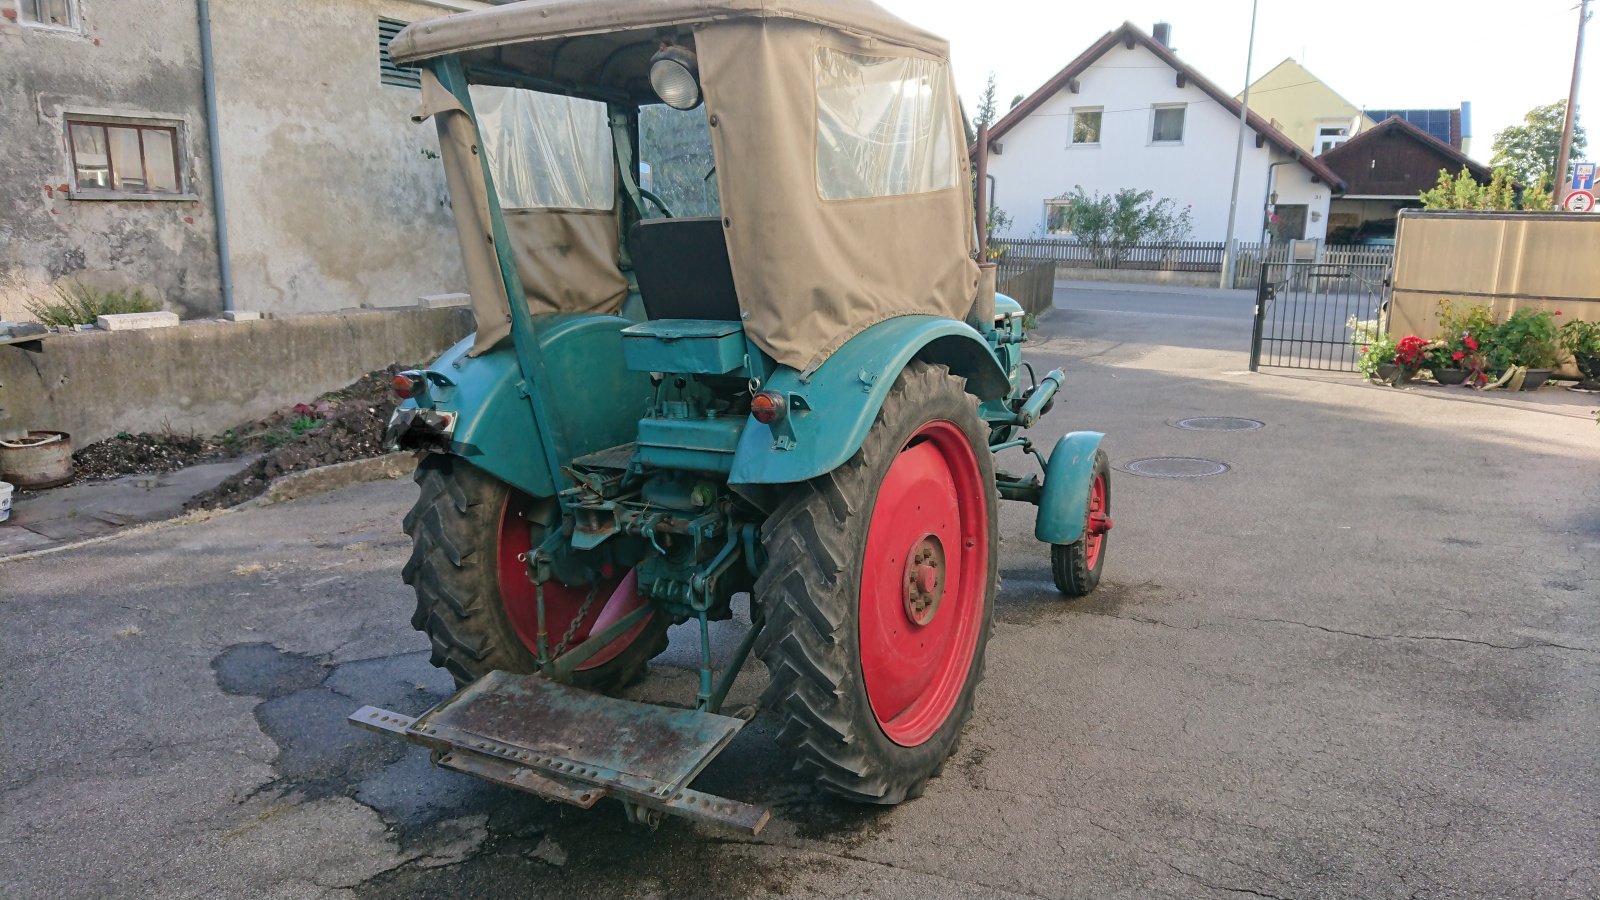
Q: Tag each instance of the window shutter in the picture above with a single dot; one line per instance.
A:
(388, 72)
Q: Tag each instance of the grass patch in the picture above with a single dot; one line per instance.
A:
(78, 304)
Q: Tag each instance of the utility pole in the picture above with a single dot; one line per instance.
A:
(1230, 250)
(1562, 154)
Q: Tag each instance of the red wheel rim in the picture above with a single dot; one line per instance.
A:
(924, 582)
(1099, 522)
(615, 596)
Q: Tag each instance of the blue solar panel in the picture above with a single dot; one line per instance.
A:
(1436, 122)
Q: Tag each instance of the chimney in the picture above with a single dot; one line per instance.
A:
(1163, 34)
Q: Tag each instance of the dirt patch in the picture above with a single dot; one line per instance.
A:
(339, 426)
(343, 426)
(144, 454)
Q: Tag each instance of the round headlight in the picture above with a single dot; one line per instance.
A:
(675, 76)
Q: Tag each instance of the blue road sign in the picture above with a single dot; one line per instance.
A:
(1583, 176)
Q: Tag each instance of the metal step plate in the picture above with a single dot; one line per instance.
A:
(575, 746)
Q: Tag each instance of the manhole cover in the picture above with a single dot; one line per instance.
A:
(1217, 423)
(1176, 467)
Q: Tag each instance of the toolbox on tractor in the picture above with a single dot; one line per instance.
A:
(735, 336)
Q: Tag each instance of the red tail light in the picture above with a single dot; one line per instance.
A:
(768, 407)
(407, 384)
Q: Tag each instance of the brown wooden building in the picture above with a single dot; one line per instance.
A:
(1384, 169)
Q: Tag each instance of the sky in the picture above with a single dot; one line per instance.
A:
(1379, 54)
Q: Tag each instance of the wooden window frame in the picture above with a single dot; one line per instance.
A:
(172, 130)
(74, 19)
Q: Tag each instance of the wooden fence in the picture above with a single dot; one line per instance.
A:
(1030, 282)
(1180, 256)
(1183, 256)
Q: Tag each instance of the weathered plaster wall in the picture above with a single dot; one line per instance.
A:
(208, 376)
(335, 198)
(133, 58)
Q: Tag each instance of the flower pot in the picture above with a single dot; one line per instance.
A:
(1392, 373)
(41, 460)
(1535, 379)
(1589, 366)
(1451, 376)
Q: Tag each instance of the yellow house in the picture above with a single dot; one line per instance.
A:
(1304, 108)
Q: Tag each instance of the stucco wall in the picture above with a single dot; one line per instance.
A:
(1301, 104)
(1038, 160)
(133, 58)
(334, 196)
(209, 376)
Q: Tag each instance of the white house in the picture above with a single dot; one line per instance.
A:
(1129, 114)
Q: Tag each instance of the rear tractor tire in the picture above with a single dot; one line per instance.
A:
(1076, 567)
(879, 595)
(475, 601)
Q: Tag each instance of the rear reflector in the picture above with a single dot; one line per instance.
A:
(407, 385)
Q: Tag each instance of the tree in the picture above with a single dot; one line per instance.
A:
(1108, 223)
(1529, 150)
(1017, 99)
(676, 145)
(987, 109)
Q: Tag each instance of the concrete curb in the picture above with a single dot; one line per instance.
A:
(321, 480)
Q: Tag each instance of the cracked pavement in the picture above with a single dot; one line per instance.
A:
(1365, 662)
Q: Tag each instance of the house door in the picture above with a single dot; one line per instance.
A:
(1291, 224)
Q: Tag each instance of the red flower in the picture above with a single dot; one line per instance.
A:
(1366, 349)
(1457, 356)
(1558, 312)
(1471, 344)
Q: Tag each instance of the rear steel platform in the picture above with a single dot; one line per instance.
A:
(574, 746)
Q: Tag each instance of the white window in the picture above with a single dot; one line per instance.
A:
(1166, 124)
(885, 126)
(1331, 136)
(1086, 124)
(117, 158)
(1056, 220)
(544, 150)
(61, 15)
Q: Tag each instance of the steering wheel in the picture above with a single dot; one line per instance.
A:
(666, 213)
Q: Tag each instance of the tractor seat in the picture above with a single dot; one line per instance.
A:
(683, 270)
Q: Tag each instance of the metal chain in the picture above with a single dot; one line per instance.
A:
(572, 629)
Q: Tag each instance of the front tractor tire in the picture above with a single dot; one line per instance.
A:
(879, 595)
(475, 601)
(1076, 567)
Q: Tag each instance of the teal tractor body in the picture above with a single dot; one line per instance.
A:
(674, 421)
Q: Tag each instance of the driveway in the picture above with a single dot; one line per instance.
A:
(1362, 662)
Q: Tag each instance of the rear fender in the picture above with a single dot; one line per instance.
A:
(832, 409)
(1064, 500)
(595, 399)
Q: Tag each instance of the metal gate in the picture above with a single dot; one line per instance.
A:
(1309, 314)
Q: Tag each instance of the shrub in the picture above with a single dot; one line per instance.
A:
(1529, 338)
(79, 304)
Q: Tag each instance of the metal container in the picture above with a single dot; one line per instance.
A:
(5, 501)
(43, 459)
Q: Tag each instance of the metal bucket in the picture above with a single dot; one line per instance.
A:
(43, 459)
(5, 501)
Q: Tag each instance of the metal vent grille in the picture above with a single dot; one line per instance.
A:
(388, 72)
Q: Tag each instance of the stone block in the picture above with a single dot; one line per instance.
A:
(137, 321)
(440, 301)
(240, 315)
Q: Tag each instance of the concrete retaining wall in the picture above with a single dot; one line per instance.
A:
(209, 376)
(1137, 276)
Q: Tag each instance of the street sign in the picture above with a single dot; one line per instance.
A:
(1580, 201)
(1583, 176)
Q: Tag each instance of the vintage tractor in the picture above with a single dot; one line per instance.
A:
(733, 336)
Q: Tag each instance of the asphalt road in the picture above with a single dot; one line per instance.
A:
(1363, 662)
